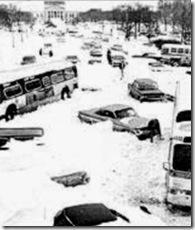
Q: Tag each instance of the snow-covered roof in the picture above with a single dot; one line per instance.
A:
(31, 70)
(176, 46)
(115, 107)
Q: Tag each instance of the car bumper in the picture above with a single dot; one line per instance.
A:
(179, 199)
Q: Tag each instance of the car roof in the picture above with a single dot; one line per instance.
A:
(145, 81)
(115, 107)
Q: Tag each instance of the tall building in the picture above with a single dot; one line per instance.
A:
(54, 9)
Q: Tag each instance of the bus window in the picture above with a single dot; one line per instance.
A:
(165, 51)
(33, 85)
(13, 91)
(182, 157)
(57, 78)
(173, 50)
(46, 81)
(187, 51)
(180, 50)
(184, 116)
(69, 74)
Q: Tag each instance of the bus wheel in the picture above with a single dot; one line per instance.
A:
(2, 142)
(65, 94)
(10, 113)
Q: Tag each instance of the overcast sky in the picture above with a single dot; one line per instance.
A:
(79, 5)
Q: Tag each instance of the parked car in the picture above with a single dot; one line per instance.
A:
(145, 90)
(19, 134)
(99, 214)
(72, 58)
(123, 117)
(94, 60)
(46, 50)
(28, 60)
(96, 53)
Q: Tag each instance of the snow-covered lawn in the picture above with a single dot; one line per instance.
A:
(122, 168)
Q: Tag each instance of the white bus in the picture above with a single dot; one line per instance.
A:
(175, 54)
(24, 89)
(178, 167)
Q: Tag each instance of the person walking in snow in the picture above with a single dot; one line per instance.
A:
(121, 67)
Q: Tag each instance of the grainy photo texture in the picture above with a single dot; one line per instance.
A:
(95, 113)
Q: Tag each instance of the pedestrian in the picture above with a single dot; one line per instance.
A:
(109, 56)
(155, 130)
(121, 67)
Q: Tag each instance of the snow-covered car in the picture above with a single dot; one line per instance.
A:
(61, 39)
(99, 214)
(94, 60)
(118, 48)
(19, 134)
(46, 50)
(96, 53)
(72, 58)
(123, 117)
(116, 60)
(149, 55)
(145, 90)
(30, 59)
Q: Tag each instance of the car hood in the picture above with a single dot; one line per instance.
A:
(135, 122)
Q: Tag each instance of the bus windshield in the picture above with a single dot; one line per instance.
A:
(182, 157)
(184, 116)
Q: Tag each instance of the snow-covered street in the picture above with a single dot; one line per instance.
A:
(122, 169)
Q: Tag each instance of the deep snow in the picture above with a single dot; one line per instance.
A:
(123, 169)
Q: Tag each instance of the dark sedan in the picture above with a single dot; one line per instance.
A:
(146, 90)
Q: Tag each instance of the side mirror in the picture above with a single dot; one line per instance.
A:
(166, 166)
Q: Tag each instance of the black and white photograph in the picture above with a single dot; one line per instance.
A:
(95, 113)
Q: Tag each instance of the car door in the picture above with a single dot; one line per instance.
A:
(104, 114)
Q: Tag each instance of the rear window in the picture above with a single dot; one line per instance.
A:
(13, 91)
(89, 214)
(184, 116)
(182, 157)
(33, 85)
(165, 51)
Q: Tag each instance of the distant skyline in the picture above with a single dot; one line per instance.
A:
(74, 5)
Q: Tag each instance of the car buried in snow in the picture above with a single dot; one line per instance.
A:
(147, 90)
(21, 134)
(46, 50)
(124, 119)
(72, 58)
(100, 214)
(96, 53)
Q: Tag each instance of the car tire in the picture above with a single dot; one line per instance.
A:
(3, 142)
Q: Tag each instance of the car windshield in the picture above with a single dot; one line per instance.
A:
(125, 113)
(182, 157)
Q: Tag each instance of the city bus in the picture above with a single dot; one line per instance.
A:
(178, 167)
(176, 54)
(26, 88)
